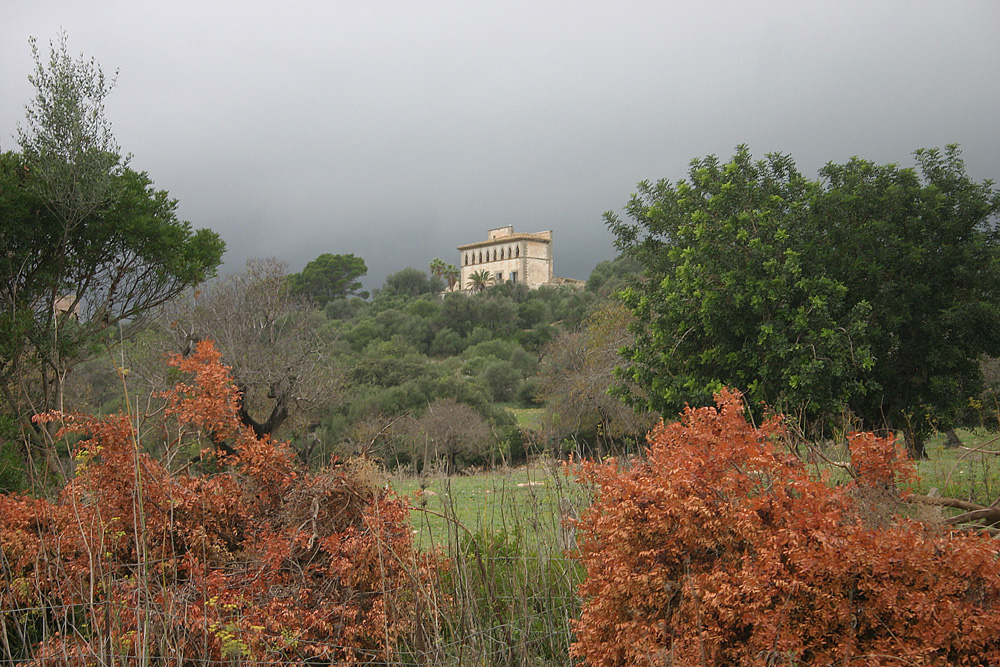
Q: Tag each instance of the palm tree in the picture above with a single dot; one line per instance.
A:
(479, 280)
(437, 267)
(451, 273)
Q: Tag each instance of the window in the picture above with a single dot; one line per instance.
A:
(513, 277)
(517, 250)
(480, 256)
(499, 277)
(501, 253)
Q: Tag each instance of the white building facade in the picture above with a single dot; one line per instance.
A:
(509, 257)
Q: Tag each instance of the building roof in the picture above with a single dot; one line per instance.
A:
(543, 237)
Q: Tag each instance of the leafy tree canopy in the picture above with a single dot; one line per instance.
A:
(67, 138)
(611, 275)
(876, 288)
(330, 277)
(409, 283)
(119, 262)
(87, 242)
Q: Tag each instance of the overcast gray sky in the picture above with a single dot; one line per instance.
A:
(399, 130)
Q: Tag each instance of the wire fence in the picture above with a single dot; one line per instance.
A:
(503, 642)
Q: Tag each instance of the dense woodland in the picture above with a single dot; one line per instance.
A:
(412, 376)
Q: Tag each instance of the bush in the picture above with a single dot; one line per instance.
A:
(718, 549)
(386, 371)
(261, 563)
(501, 380)
(447, 342)
(478, 335)
(409, 282)
(497, 348)
(529, 394)
(533, 312)
(345, 309)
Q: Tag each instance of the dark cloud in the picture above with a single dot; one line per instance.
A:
(397, 131)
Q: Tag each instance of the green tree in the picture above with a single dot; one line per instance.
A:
(437, 267)
(447, 272)
(410, 283)
(875, 289)
(67, 139)
(447, 342)
(610, 276)
(922, 248)
(330, 277)
(89, 244)
(451, 274)
(66, 285)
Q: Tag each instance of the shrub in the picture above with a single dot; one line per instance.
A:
(447, 342)
(501, 380)
(720, 549)
(262, 562)
(529, 394)
(451, 431)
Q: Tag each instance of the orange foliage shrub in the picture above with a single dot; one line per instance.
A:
(260, 563)
(880, 463)
(719, 549)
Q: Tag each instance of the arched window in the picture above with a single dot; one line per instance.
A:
(501, 253)
(494, 254)
(480, 256)
(518, 251)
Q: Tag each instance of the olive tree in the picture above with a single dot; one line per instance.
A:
(66, 138)
(451, 431)
(280, 355)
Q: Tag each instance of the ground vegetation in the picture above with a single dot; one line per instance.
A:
(260, 563)
(720, 548)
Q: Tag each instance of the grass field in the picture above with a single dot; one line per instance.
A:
(527, 503)
(511, 579)
(530, 503)
(970, 472)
